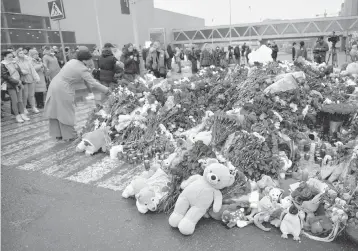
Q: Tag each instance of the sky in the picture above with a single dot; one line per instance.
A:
(219, 10)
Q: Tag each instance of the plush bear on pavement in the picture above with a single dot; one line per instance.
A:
(199, 192)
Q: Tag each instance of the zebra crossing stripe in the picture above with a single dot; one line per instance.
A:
(72, 165)
(24, 143)
(120, 181)
(95, 171)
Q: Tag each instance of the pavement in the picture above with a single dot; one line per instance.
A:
(56, 199)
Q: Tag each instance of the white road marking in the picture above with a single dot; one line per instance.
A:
(120, 181)
(96, 171)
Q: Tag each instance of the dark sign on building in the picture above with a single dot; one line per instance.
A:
(125, 7)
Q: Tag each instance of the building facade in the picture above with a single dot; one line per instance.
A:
(349, 8)
(80, 25)
(19, 28)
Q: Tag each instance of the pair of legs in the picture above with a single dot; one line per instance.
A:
(28, 94)
(39, 97)
(17, 105)
(61, 131)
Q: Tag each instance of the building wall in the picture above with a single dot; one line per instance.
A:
(171, 20)
(115, 27)
(349, 8)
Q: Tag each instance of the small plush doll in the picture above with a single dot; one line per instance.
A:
(291, 223)
(148, 189)
(199, 192)
(235, 218)
(94, 141)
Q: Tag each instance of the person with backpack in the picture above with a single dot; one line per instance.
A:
(10, 74)
(237, 54)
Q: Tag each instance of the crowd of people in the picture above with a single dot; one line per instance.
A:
(27, 74)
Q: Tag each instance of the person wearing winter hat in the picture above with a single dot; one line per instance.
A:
(59, 105)
(130, 59)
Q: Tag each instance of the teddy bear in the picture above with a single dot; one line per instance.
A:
(148, 189)
(94, 141)
(199, 192)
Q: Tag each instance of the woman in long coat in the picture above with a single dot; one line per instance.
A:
(60, 99)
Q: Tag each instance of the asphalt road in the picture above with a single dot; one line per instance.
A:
(43, 213)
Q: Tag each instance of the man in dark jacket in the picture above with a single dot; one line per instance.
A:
(130, 59)
(293, 51)
(274, 48)
(320, 50)
(171, 55)
(243, 52)
(237, 54)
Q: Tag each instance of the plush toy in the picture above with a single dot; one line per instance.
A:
(148, 189)
(291, 224)
(199, 192)
(94, 141)
(267, 206)
(285, 164)
(235, 218)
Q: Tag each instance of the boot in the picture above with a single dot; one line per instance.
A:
(24, 117)
(19, 119)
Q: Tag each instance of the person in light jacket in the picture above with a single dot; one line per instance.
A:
(29, 78)
(206, 57)
(60, 99)
(40, 87)
(10, 74)
(51, 63)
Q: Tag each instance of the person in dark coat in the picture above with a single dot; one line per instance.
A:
(205, 58)
(108, 66)
(130, 59)
(171, 55)
(237, 54)
(247, 52)
(293, 51)
(194, 61)
(243, 52)
(320, 50)
(274, 48)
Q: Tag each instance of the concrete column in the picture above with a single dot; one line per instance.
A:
(45, 33)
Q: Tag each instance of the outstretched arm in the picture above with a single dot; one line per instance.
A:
(92, 83)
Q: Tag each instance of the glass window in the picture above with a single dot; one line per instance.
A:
(24, 21)
(68, 37)
(27, 36)
(11, 6)
(3, 36)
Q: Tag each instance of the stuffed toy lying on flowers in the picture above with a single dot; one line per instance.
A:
(199, 192)
(148, 189)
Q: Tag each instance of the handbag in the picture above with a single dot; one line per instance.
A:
(96, 73)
